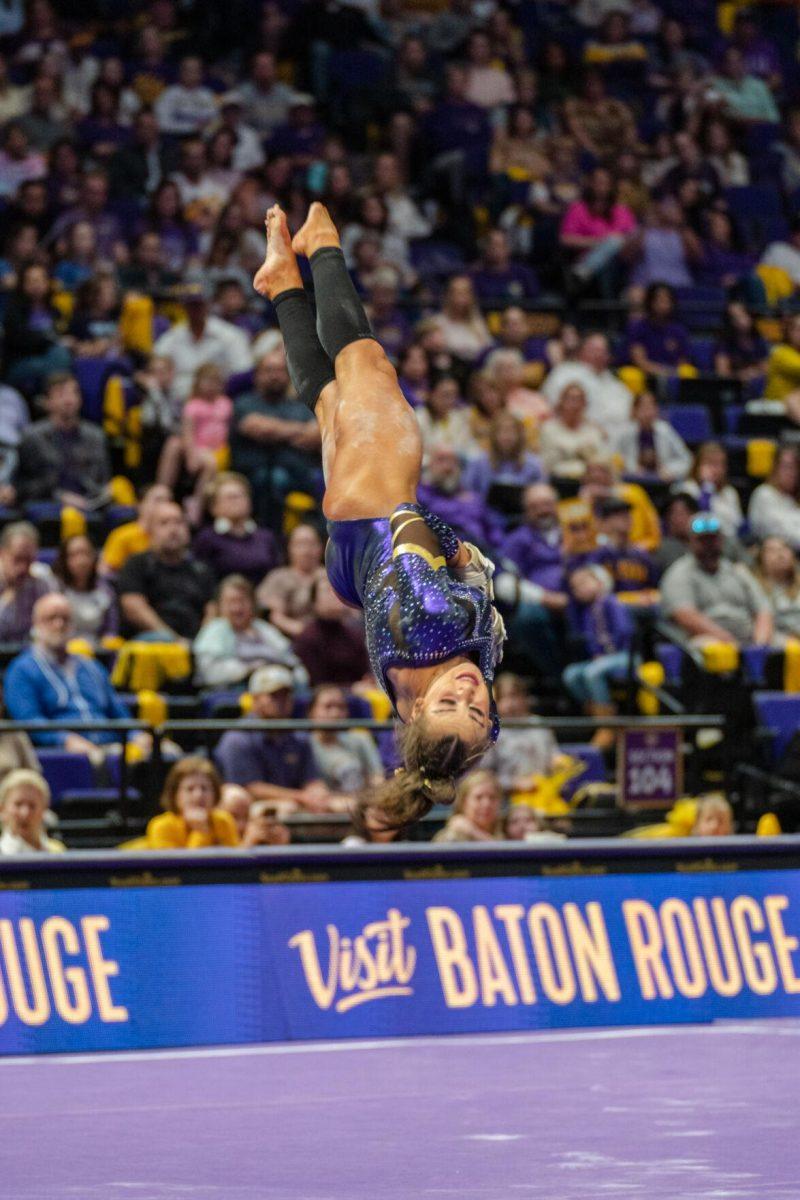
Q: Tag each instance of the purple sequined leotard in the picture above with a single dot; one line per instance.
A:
(416, 612)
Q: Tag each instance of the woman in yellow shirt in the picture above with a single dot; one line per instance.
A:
(193, 819)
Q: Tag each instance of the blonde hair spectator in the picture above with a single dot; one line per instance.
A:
(24, 801)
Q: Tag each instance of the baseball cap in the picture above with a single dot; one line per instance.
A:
(609, 506)
(270, 679)
(705, 523)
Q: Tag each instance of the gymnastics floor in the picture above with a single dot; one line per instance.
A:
(679, 1113)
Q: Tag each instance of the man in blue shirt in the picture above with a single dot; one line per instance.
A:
(47, 683)
(272, 766)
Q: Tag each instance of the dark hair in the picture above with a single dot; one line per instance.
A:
(651, 293)
(61, 563)
(433, 764)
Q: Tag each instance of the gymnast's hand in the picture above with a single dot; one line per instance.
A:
(472, 567)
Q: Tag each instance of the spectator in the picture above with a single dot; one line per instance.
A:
(711, 599)
(164, 591)
(275, 440)
(347, 760)
(202, 340)
(63, 458)
(233, 544)
(45, 121)
(14, 418)
(569, 441)
(179, 244)
(134, 536)
(47, 683)
(507, 370)
(783, 370)
(600, 481)
(373, 218)
(608, 400)
(203, 193)
(786, 253)
(444, 418)
(78, 257)
(778, 572)
(742, 97)
(92, 600)
(247, 151)
(330, 645)
(595, 230)
(774, 509)
(496, 279)
(31, 329)
(515, 334)
(17, 161)
(368, 822)
(140, 164)
(277, 766)
(187, 105)
(236, 801)
(460, 321)
(405, 217)
(714, 817)
(523, 755)
(388, 321)
(193, 818)
(650, 447)
(231, 646)
(24, 807)
(630, 568)
(604, 626)
(657, 343)
(602, 126)
(455, 136)
(730, 165)
(708, 483)
(741, 352)
(443, 492)
(724, 262)
(476, 810)
(680, 510)
(93, 206)
(94, 331)
(507, 462)
(265, 101)
(666, 249)
(146, 271)
(488, 84)
(205, 422)
(286, 593)
(414, 374)
(21, 587)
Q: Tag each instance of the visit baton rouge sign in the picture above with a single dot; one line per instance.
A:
(650, 767)
(116, 968)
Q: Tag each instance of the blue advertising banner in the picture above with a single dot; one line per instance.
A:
(103, 969)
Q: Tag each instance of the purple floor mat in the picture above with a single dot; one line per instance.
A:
(694, 1113)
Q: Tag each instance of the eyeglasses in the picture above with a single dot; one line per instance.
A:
(705, 525)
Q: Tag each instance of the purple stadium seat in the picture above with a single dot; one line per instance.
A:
(691, 421)
(781, 715)
(65, 772)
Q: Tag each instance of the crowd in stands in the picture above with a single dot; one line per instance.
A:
(575, 225)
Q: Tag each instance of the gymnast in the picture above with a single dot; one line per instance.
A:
(433, 635)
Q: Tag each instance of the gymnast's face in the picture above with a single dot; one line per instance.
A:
(457, 701)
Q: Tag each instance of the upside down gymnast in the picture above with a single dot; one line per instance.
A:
(434, 638)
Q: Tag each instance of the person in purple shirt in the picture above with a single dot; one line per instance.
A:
(514, 334)
(456, 134)
(605, 627)
(443, 493)
(657, 343)
(233, 544)
(414, 374)
(498, 280)
(759, 54)
(272, 766)
(724, 262)
(631, 568)
(93, 207)
(529, 583)
(302, 137)
(507, 462)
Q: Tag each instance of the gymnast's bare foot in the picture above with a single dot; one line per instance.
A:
(318, 231)
(280, 270)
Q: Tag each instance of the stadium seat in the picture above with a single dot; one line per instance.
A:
(691, 421)
(65, 772)
(780, 714)
(592, 758)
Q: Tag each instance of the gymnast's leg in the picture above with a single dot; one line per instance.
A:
(310, 369)
(378, 453)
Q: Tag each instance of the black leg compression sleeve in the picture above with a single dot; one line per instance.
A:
(309, 366)
(340, 314)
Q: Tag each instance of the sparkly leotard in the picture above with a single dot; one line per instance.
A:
(416, 612)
